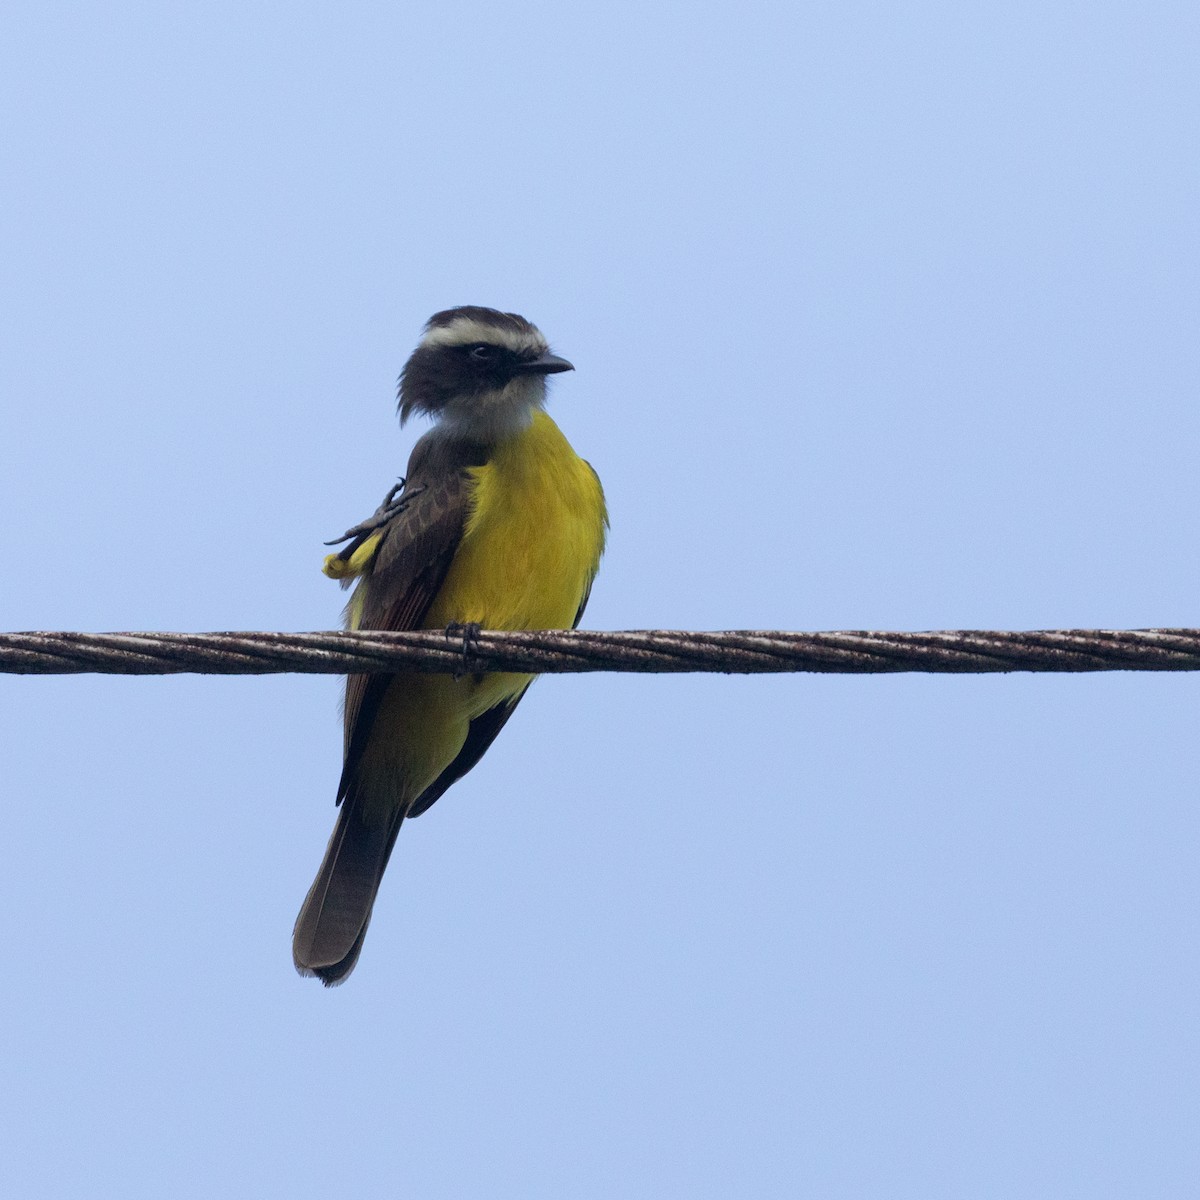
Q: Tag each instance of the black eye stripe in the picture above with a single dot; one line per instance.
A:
(496, 358)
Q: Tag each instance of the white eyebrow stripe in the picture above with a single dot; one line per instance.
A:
(465, 331)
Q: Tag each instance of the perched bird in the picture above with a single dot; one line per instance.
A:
(498, 524)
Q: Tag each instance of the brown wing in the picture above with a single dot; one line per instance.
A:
(409, 566)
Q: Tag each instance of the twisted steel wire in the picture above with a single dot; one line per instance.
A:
(457, 651)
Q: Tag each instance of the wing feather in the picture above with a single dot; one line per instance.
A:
(415, 552)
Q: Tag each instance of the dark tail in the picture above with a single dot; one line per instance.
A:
(333, 919)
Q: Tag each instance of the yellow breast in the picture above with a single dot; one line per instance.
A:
(533, 540)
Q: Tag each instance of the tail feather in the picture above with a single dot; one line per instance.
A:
(334, 916)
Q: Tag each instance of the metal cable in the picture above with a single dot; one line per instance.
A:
(964, 651)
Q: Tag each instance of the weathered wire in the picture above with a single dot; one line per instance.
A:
(964, 651)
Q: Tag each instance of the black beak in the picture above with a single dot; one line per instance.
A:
(547, 364)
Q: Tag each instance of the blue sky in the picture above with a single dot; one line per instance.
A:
(884, 317)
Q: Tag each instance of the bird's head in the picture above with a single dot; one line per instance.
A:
(478, 372)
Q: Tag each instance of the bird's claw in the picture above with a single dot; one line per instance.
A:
(469, 632)
(393, 504)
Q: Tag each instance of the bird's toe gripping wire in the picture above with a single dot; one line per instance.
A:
(469, 632)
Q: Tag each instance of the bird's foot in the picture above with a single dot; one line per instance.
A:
(469, 632)
(394, 502)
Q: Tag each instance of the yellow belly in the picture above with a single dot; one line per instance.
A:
(526, 560)
(531, 546)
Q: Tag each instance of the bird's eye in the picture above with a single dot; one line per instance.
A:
(483, 352)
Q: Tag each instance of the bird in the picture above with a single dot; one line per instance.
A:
(497, 524)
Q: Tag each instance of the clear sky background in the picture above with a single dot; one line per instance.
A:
(885, 316)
